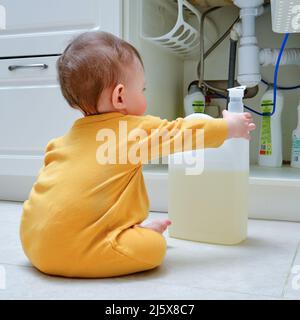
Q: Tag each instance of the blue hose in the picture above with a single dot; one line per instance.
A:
(276, 72)
(275, 82)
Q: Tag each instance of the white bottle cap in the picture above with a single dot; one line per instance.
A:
(194, 88)
(237, 92)
(236, 96)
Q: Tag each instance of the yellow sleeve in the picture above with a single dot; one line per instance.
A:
(213, 131)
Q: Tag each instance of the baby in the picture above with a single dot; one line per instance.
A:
(85, 212)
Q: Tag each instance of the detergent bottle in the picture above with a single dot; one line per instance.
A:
(194, 102)
(211, 206)
(270, 149)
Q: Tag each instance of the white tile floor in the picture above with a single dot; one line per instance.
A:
(260, 268)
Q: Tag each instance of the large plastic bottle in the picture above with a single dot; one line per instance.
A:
(295, 161)
(270, 147)
(212, 206)
(194, 102)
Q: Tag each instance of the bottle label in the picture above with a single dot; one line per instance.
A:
(198, 106)
(266, 136)
(296, 149)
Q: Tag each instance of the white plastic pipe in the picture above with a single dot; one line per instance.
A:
(251, 57)
(269, 57)
(248, 62)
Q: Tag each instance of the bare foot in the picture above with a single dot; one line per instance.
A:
(157, 225)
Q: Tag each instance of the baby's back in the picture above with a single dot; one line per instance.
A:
(76, 198)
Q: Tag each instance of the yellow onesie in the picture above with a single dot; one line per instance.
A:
(81, 216)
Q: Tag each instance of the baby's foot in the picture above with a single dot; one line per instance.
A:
(157, 225)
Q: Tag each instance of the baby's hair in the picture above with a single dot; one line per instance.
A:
(92, 62)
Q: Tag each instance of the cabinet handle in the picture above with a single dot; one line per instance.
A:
(25, 66)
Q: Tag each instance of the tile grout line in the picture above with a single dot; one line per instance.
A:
(15, 265)
(285, 286)
(240, 292)
(222, 291)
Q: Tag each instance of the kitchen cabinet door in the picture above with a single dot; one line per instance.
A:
(32, 112)
(44, 27)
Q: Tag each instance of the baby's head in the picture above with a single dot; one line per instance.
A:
(100, 73)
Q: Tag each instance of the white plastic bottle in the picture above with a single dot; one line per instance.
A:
(295, 160)
(212, 206)
(270, 145)
(194, 102)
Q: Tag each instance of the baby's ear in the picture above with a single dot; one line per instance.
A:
(118, 97)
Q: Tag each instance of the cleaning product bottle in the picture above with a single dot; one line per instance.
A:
(194, 102)
(212, 206)
(270, 149)
(295, 161)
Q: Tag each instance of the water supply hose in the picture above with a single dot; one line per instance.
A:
(275, 82)
(276, 72)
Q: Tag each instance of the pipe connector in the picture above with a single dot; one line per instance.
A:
(236, 31)
(248, 62)
(290, 56)
(248, 3)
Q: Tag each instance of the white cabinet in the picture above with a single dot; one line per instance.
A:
(32, 108)
(43, 27)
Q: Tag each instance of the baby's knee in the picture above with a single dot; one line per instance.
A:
(143, 245)
(155, 248)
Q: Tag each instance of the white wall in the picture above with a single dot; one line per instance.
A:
(164, 72)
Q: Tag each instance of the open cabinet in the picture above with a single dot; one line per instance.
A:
(274, 192)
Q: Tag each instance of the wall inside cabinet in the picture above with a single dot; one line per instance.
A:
(216, 68)
(164, 72)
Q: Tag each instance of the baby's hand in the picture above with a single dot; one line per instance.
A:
(240, 124)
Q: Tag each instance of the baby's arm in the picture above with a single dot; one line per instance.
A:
(214, 131)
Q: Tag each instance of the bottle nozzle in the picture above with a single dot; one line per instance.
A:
(236, 96)
(237, 92)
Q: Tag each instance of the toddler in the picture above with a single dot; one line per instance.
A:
(84, 216)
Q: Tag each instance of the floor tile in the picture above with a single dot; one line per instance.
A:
(10, 211)
(10, 246)
(292, 289)
(258, 266)
(257, 269)
(27, 283)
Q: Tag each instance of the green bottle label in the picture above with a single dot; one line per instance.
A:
(296, 149)
(266, 136)
(198, 106)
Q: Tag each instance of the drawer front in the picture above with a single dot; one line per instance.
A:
(16, 72)
(35, 27)
(32, 112)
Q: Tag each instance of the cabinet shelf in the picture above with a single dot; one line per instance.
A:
(273, 192)
(284, 176)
